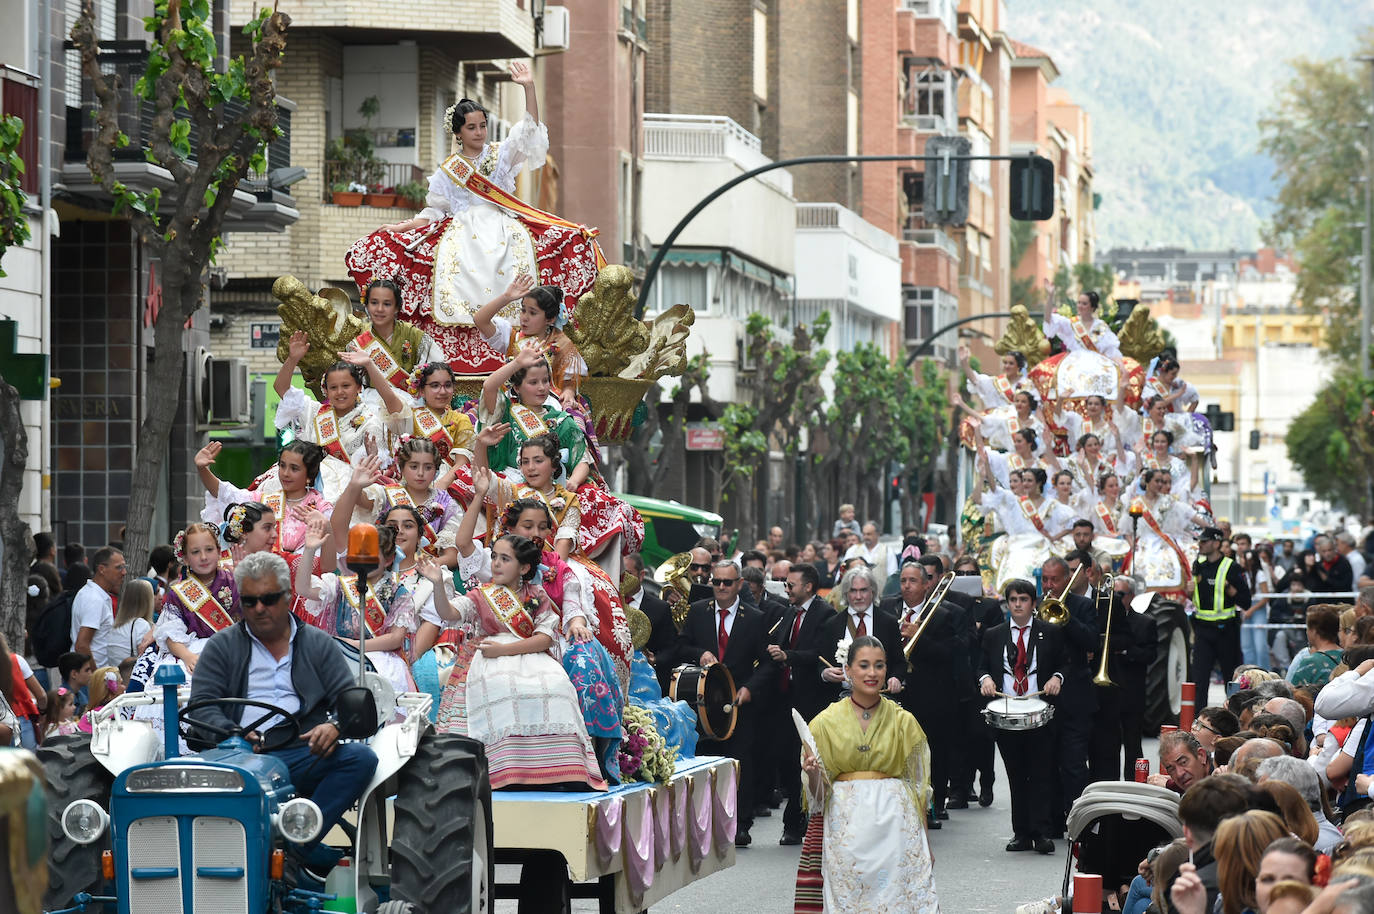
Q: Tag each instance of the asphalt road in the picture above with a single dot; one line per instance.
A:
(973, 872)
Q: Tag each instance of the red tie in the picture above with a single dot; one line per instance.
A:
(863, 626)
(722, 636)
(796, 627)
(1018, 671)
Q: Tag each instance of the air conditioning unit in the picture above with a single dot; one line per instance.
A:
(228, 392)
(556, 30)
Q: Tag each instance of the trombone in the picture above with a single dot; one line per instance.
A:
(1102, 679)
(933, 601)
(1052, 609)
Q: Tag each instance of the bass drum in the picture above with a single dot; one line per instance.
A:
(711, 691)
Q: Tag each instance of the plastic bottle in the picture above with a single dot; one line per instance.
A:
(340, 883)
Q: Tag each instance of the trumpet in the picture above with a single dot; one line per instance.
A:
(1052, 609)
(933, 601)
(1105, 594)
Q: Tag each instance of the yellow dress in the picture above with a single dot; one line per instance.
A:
(876, 858)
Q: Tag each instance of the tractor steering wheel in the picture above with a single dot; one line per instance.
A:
(187, 723)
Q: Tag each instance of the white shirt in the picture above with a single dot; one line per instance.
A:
(124, 638)
(911, 613)
(882, 559)
(93, 608)
(1357, 564)
(269, 679)
(731, 612)
(867, 615)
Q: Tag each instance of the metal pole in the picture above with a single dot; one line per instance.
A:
(662, 249)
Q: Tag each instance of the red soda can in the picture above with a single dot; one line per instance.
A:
(1142, 770)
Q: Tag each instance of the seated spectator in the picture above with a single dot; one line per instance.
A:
(1212, 724)
(1201, 810)
(1288, 864)
(1182, 762)
(1247, 758)
(1300, 776)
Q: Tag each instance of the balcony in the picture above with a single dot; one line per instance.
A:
(841, 257)
(260, 204)
(945, 11)
(480, 30)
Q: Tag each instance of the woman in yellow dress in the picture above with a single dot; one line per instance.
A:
(870, 776)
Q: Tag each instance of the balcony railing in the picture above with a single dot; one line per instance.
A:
(947, 11)
(127, 60)
(690, 136)
(385, 174)
(20, 98)
(932, 238)
(835, 216)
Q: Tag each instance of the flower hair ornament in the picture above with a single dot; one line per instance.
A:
(233, 525)
(413, 383)
(33, 590)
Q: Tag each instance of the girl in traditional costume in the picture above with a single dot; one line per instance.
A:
(288, 493)
(1094, 420)
(474, 233)
(1138, 428)
(430, 417)
(606, 527)
(396, 347)
(543, 315)
(344, 425)
(869, 774)
(202, 602)
(1000, 426)
(439, 511)
(1091, 362)
(1025, 447)
(508, 689)
(1160, 458)
(585, 642)
(1033, 523)
(341, 603)
(1164, 551)
(994, 391)
(539, 464)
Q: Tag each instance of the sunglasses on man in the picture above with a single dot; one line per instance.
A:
(267, 599)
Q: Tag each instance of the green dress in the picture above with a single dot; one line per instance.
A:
(506, 453)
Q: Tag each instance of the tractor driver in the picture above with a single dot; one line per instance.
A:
(268, 657)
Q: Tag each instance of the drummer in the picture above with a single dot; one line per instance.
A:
(1021, 659)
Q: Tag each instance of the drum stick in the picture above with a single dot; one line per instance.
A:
(1014, 697)
(775, 626)
(821, 657)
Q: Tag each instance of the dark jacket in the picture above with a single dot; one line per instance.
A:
(884, 628)
(746, 654)
(1044, 648)
(318, 671)
(939, 672)
(806, 692)
(662, 636)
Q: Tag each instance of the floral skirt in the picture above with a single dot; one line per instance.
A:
(588, 665)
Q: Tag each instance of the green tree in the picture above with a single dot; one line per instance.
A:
(1332, 442)
(233, 108)
(1315, 135)
(14, 227)
(654, 458)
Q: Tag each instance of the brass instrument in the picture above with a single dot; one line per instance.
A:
(672, 576)
(1052, 609)
(1102, 679)
(933, 601)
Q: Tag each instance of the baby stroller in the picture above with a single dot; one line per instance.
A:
(1113, 825)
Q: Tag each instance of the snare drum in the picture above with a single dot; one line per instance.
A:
(711, 692)
(1018, 713)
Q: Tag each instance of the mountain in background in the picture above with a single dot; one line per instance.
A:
(1175, 92)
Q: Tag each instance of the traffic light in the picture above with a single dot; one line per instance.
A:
(1254, 439)
(946, 184)
(1032, 189)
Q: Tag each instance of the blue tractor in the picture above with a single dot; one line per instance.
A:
(138, 828)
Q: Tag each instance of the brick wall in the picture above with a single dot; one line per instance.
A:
(812, 95)
(701, 58)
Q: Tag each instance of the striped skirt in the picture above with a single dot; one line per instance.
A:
(810, 898)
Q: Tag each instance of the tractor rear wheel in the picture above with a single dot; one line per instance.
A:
(72, 773)
(443, 800)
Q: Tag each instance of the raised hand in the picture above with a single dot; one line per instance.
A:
(519, 287)
(481, 481)
(431, 570)
(963, 355)
(528, 357)
(520, 73)
(205, 457)
(370, 446)
(355, 357)
(492, 435)
(306, 515)
(316, 532)
(299, 346)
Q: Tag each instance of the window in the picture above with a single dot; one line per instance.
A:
(760, 54)
(627, 240)
(928, 310)
(928, 97)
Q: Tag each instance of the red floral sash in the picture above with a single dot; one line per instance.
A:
(1106, 516)
(196, 598)
(1028, 508)
(501, 609)
(464, 175)
(327, 432)
(1083, 333)
(1004, 388)
(397, 495)
(429, 424)
(381, 356)
(373, 614)
(1148, 516)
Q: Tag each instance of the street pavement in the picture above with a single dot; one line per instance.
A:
(973, 874)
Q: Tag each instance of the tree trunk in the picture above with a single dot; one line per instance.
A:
(15, 535)
(164, 397)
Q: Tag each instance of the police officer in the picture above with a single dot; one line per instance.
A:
(1219, 590)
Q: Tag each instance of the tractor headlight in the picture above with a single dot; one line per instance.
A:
(300, 820)
(84, 821)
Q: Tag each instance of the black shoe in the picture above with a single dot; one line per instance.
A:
(742, 839)
(985, 797)
(957, 803)
(1020, 844)
(935, 825)
(1044, 846)
(941, 814)
(777, 799)
(789, 837)
(762, 811)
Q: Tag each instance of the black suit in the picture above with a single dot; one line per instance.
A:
(800, 687)
(1077, 703)
(974, 753)
(937, 684)
(1108, 732)
(746, 657)
(881, 625)
(771, 722)
(662, 636)
(1027, 754)
(1130, 672)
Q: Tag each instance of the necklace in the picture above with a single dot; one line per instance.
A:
(866, 709)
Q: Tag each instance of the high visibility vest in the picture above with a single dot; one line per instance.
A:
(1218, 611)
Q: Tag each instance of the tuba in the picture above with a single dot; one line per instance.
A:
(1052, 609)
(672, 577)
